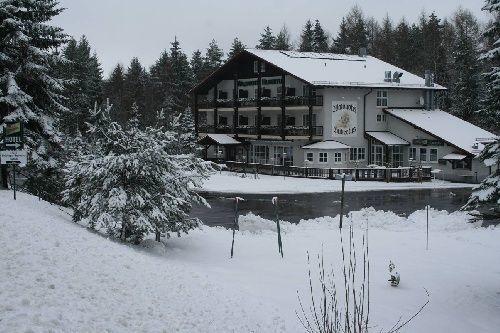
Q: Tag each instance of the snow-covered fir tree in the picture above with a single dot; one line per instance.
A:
(236, 47)
(489, 114)
(486, 196)
(131, 182)
(267, 40)
(320, 38)
(28, 91)
(283, 39)
(307, 38)
(183, 126)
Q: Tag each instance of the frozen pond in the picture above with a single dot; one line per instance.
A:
(294, 207)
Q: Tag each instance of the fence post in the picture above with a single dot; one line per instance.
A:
(342, 200)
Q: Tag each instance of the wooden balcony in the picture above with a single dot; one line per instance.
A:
(295, 131)
(290, 101)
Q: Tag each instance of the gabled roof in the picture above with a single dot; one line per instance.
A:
(327, 145)
(388, 138)
(329, 69)
(440, 124)
(218, 139)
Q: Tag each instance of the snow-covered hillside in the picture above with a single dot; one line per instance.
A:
(57, 276)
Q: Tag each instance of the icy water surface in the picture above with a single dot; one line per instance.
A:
(294, 207)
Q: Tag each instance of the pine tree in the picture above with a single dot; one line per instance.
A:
(341, 42)
(489, 113)
(180, 79)
(213, 59)
(114, 90)
(486, 196)
(236, 47)
(197, 66)
(307, 38)
(357, 35)
(130, 183)
(384, 46)
(83, 75)
(29, 91)
(134, 87)
(320, 38)
(465, 66)
(372, 30)
(267, 40)
(403, 46)
(283, 40)
(183, 126)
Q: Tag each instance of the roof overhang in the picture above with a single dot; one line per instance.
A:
(327, 145)
(387, 138)
(454, 157)
(219, 140)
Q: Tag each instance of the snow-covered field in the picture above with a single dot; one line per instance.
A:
(229, 182)
(56, 276)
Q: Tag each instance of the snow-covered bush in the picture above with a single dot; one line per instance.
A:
(128, 182)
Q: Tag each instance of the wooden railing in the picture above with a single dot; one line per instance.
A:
(264, 130)
(265, 101)
(402, 174)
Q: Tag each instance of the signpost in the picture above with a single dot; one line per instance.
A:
(12, 153)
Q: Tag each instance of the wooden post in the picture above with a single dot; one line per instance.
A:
(283, 107)
(259, 95)
(342, 201)
(427, 240)
(310, 104)
(235, 105)
(216, 113)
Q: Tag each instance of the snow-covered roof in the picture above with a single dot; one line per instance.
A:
(221, 139)
(454, 157)
(442, 125)
(388, 138)
(329, 69)
(327, 145)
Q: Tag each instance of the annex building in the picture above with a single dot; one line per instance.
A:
(323, 110)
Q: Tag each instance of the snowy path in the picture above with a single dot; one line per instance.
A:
(229, 182)
(56, 276)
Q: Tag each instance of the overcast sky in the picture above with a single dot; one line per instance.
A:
(121, 29)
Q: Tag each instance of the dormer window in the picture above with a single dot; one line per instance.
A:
(388, 76)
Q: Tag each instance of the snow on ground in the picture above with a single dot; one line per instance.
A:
(56, 276)
(229, 182)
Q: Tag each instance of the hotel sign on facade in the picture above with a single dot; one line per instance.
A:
(345, 118)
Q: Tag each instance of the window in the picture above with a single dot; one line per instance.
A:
(423, 154)
(222, 120)
(260, 154)
(305, 120)
(243, 121)
(305, 91)
(255, 66)
(323, 157)
(337, 157)
(463, 164)
(310, 157)
(412, 154)
(278, 91)
(290, 91)
(264, 121)
(381, 118)
(357, 154)
(377, 155)
(382, 99)
(433, 155)
(397, 156)
(262, 67)
(290, 121)
(243, 93)
(266, 92)
(222, 94)
(388, 77)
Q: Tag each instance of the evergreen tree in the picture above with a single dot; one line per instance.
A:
(320, 38)
(197, 66)
(486, 197)
(83, 75)
(465, 66)
(183, 126)
(236, 47)
(134, 87)
(267, 40)
(29, 92)
(283, 40)
(341, 42)
(114, 90)
(213, 59)
(357, 35)
(180, 79)
(384, 46)
(307, 38)
(403, 46)
(372, 30)
(129, 183)
(489, 113)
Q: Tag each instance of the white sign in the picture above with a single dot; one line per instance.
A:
(345, 118)
(13, 157)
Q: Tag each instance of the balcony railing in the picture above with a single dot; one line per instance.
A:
(265, 101)
(264, 130)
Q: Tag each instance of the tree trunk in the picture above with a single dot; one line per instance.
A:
(158, 236)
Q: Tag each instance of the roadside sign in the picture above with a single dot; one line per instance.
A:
(13, 135)
(15, 157)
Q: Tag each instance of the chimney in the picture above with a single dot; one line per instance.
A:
(429, 93)
(362, 52)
